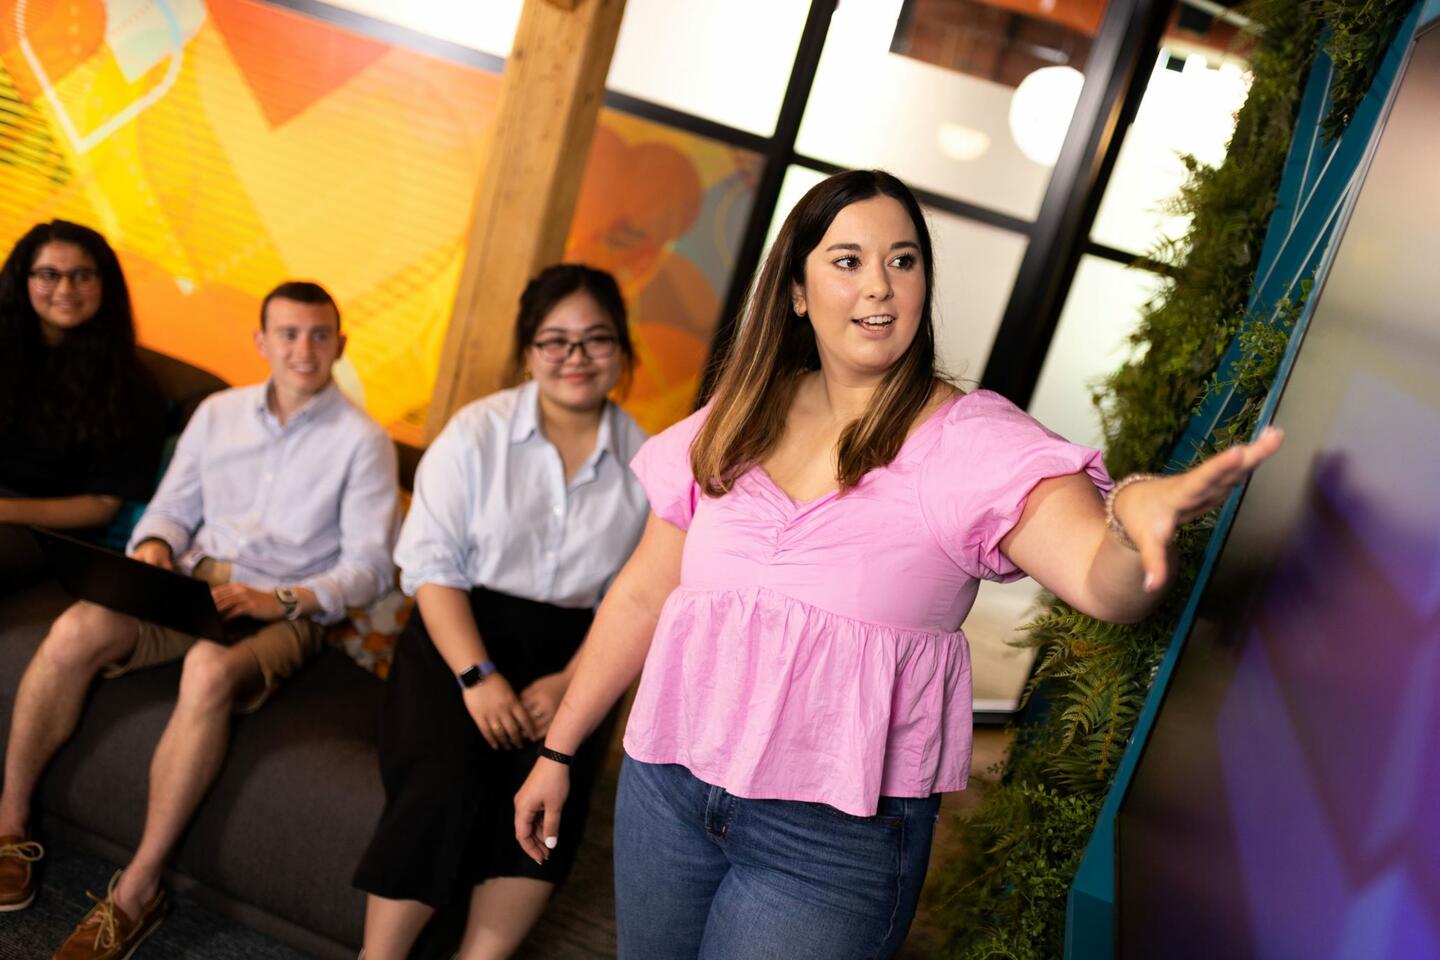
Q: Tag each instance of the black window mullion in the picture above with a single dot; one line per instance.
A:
(779, 154)
(1115, 80)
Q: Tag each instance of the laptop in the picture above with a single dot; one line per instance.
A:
(130, 586)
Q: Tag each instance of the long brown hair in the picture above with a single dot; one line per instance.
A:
(757, 384)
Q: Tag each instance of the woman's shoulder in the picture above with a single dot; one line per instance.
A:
(987, 411)
(677, 438)
(479, 419)
(985, 429)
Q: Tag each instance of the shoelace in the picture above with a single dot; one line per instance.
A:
(27, 850)
(102, 916)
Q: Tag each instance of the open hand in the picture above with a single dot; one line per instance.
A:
(498, 714)
(237, 600)
(1153, 510)
(537, 809)
(155, 552)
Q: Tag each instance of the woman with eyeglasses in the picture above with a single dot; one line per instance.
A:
(524, 510)
(81, 421)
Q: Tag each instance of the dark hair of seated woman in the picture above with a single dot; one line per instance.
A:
(81, 421)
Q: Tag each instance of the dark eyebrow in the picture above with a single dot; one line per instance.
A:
(590, 329)
(898, 244)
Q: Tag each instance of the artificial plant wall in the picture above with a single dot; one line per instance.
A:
(1005, 898)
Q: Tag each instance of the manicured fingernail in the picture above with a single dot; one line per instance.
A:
(550, 842)
(1149, 582)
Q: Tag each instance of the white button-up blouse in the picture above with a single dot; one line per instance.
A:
(492, 508)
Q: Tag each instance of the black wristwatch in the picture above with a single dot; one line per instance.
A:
(475, 673)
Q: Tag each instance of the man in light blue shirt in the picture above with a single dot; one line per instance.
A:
(283, 497)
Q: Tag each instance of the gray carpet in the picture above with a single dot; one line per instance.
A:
(189, 930)
(580, 924)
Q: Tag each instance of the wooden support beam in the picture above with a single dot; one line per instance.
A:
(550, 98)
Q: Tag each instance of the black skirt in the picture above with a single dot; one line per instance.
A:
(449, 818)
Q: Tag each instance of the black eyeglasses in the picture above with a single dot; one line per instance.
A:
(601, 346)
(50, 277)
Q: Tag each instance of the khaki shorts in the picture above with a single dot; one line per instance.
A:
(280, 648)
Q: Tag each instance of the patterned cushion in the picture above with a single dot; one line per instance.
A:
(368, 635)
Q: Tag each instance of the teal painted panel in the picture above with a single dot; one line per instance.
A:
(1316, 184)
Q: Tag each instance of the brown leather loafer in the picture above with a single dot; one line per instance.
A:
(107, 933)
(18, 857)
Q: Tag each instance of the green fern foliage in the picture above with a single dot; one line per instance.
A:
(1360, 33)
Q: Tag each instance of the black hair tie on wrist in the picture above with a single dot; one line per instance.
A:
(564, 759)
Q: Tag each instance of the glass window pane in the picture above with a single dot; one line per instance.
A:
(684, 54)
(975, 267)
(967, 128)
(1189, 107)
(1089, 344)
(488, 27)
(999, 668)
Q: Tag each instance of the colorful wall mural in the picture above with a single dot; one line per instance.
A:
(226, 145)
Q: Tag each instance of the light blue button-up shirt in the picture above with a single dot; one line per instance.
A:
(492, 508)
(311, 503)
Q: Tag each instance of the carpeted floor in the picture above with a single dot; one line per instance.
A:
(189, 931)
(579, 925)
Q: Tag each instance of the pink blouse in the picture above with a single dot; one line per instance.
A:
(813, 650)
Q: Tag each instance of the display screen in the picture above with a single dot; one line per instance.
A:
(1287, 803)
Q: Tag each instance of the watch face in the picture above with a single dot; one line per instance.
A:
(470, 676)
(289, 601)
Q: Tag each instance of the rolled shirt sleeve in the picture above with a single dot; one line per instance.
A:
(369, 512)
(435, 544)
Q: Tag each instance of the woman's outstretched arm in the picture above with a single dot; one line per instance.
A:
(1062, 539)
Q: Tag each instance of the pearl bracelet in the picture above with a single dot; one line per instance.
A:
(1112, 521)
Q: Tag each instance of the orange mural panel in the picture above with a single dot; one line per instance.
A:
(60, 36)
(231, 145)
(289, 61)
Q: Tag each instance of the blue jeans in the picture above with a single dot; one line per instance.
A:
(700, 873)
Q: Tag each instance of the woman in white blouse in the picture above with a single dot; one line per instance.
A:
(524, 510)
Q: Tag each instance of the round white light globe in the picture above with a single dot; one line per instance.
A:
(1041, 109)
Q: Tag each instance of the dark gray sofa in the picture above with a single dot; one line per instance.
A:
(275, 841)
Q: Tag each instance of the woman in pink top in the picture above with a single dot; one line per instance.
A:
(817, 536)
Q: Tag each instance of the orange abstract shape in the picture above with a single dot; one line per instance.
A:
(61, 36)
(667, 375)
(289, 61)
(634, 202)
(205, 227)
(679, 295)
(211, 326)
